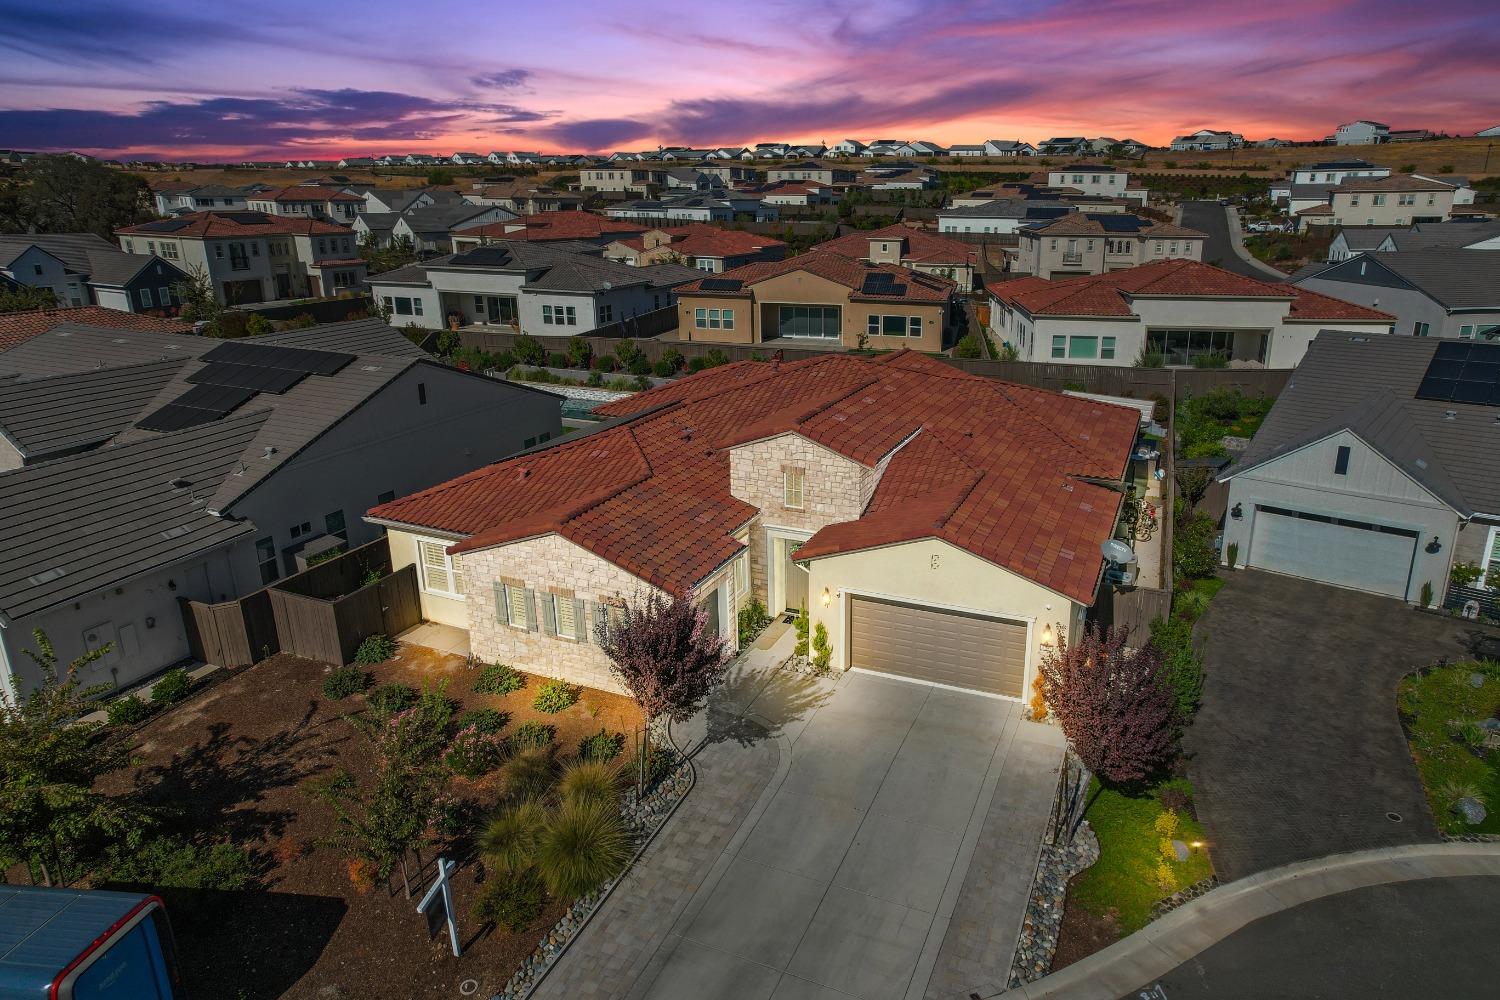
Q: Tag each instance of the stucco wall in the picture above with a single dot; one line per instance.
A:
(933, 572)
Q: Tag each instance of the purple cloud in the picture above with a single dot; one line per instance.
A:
(598, 133)
(503, 80)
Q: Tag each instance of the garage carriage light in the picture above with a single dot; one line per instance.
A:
(1047, 637)
(827, 597)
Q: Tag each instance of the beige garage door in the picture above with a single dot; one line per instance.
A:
(944, 647)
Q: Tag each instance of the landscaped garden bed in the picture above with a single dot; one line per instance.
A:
(237, 764)
(1449, 714)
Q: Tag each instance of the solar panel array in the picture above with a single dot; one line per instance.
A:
(233, 374)
(1463, 372)
(1117, 223)
(881, 283)
(721, 284)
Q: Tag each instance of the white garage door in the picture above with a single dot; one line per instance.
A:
(937, 645)
(1354, 554)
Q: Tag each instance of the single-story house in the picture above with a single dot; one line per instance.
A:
(939, 525)
(1378, 469)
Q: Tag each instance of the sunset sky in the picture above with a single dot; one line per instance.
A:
(202, 80)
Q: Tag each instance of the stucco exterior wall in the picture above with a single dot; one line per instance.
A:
(933, 572)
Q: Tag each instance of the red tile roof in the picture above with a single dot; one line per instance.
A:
(921, 246)
(1315, 306)
(201, 225)
(19, 327)
(306, 193)
(988, 466)
(917, 287)
(1109, 294)
(565, 225)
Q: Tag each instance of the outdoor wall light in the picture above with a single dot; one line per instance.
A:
(1237, 511)
(1434, 546)
(827, 597)
(1047, 637)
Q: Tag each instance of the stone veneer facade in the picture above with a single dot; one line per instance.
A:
(834, 489)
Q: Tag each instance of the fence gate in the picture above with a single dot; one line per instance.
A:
(400, 605)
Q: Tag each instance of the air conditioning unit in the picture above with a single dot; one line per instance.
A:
(1120, 576)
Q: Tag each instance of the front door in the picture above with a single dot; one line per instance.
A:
(793, 574)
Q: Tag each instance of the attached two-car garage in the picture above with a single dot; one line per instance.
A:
(937, 645)
(1360, 555)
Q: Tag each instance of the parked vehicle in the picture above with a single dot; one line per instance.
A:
(76, 944)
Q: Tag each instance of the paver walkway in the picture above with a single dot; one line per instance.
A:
(890, 855)
(1297, 751)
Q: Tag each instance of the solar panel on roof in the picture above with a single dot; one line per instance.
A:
(275, 380)
(1463, 372)
(294, 359)
(721, 284)
(218, 399)
(175, 418)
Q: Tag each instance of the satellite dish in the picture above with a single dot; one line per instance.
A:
(1117, 552)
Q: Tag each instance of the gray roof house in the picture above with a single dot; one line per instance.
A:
(205, 474)
(1378, 468)
(1435, 292)
(84, 269)
(1001, 216)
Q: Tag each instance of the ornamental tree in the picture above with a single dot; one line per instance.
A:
(1119, 717)
(664, 654)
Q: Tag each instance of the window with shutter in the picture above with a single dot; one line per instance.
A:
(439, 574)
(517, 607)
(563, 613)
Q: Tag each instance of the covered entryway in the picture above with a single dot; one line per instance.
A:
(1359, 555)
(956, 648)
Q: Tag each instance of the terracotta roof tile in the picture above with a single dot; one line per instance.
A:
(200, 225)
(846, 271)
(564, 225)
(921, 245)
(19, 327)
(988, 466)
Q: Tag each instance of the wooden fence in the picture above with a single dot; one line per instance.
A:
(231, 633)
(322, 613)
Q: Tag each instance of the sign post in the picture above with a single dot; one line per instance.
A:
(440, 891)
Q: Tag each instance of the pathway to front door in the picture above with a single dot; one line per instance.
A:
(889, 856)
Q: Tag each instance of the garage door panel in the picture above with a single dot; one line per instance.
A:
(1345, 555)
(932, 644)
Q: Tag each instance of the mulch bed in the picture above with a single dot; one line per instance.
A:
(233, 758)
(1082, 933)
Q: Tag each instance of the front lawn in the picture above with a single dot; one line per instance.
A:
(1123, 883)
(1442, 711)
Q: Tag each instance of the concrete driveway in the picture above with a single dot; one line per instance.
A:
(852, 876)
(1297, 751)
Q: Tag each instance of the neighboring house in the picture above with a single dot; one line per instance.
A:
(940, 526)
(1008, 147)
(812, 170)
(84, 269)
(1432, 292)
(253, 257)
(1493, 130)
(17, 328)
(681, 179)
(431, 228)
(1351, 240)
(729, 172)
(1063, 145)
(964, 151)
(1361, 133)
(180, 198)
(1097, 180)
(1206, 139)
(847, 147)
(545, 227)
(917, 249)
(897, 177)
(523, 197)
(397, 200)
(623, 177)
(798, 194)
(1396, 200)
(817, 298)
(1411, 135)
(357, 163)
(1184, 310)
(225, 486)
(1085, 243)
(1331, 173)
(306, 202)
(724, 206)
(1378, 469)
(553, 288)
(703, 247)
(1000, 217)
(885, 147)
(921, 147)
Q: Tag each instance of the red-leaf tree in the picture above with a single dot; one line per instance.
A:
(663, 652)
(1119, 717)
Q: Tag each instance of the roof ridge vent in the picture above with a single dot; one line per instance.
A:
(1450, 414)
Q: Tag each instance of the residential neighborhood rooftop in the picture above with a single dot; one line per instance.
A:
(895, 282)
(18, 327)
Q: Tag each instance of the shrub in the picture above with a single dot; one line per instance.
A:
(257, 325)
(1189, 605)
(753, 620)
(641, 383)
(1181, 667)
(967, 347)
(557, 359)
(583, 845)
(1166, 876)
(509, 838)
(475, 753)
(579, 352)
(513, 903)
(1150, 359)
(375, 649)
(673, 357)
(1232, 554)
(486, 720)
(1193, 554)
(499, 678)
(554, 696)
(595, 380)
(1427, 594)
(660, 762)
(167, 861)
(361, 875)
(801, 625)
(714, 358)
(662, 369)
(533, 735)
(1464, 574)
(1214, 359)
(590, 781)
(603, 745)
(528, 350)
(626, 352)
(344, 681)
(822, 650)
(173, 686)
(389, 699)
(605, 363)
(1176, 795)
(531, 773)
(127, 711)
(696, 364)
(639, 365)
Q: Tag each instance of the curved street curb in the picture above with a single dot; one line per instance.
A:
(1237, 243)
(1162, 946)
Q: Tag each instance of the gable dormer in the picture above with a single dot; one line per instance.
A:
(888, 250)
